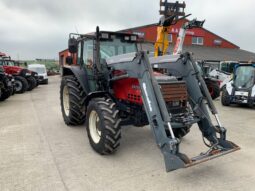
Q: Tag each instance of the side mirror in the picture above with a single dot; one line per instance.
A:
(69, 60)
(72, 45)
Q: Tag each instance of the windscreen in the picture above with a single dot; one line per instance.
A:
(228, 67)
(7, 63)
(245, 77)
(39, 70)
(116, 47)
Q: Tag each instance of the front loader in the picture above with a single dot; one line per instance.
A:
(108, 83)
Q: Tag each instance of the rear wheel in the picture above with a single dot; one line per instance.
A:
(72, 99)
(21, 84)
(103, 125)
(225, 98)
(214, 90)
(31, 83)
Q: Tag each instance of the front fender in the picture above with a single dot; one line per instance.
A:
(97, 94)
(229, 88)
(80, 75)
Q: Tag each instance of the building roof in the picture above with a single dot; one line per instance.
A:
(210, 53)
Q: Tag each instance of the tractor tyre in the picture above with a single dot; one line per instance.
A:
(103, 125)
(225, 97)
(21, 84)
(31, 83)
(214, 90)
(5, 94)
(72, 99)
(251, 104)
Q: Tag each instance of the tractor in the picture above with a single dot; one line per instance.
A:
(6, 85)
(25, 80)
(240, 90)
(108, 84)
(213, 84)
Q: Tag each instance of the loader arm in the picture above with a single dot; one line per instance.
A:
(140, 67)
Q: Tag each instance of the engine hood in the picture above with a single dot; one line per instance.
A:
(13, 69)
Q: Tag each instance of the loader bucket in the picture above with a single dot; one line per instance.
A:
(174, 162)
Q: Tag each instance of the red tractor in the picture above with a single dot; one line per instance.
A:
(7, 86)
(25, 80)
(108, 83)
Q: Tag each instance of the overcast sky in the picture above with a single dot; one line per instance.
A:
(39, 28)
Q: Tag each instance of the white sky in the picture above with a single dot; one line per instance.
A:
(39, 28)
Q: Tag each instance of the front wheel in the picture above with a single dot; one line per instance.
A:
(31, 83)
(5, 94)
(103, 125)
(225, 98)
(21, 84)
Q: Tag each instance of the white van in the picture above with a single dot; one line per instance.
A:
(42, 72)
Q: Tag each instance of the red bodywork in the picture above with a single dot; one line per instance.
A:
(13, 70)
(128, 89)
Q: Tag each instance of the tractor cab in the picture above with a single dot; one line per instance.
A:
(244, 76)
(241, 90)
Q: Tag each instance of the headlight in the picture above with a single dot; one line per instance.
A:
(28, 74)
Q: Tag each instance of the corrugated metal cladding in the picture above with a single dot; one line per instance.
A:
(199, 36)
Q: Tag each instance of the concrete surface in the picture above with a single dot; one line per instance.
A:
(39, 152)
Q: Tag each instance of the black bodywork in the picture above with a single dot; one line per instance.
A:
(7, 85)
(243, 99)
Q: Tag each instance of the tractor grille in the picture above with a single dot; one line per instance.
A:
(174, 91)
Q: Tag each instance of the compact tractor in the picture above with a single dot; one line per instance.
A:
(240, 90)
(25, 80)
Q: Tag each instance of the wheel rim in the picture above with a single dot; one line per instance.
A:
(18, 86)
(95, 133)
(66, 102)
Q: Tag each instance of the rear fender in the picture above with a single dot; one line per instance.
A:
(80, 75)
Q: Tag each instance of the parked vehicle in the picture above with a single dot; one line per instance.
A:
(108, 89)
(41, 71)
(240, 90)
(213, 84)
(6, 85)
(25, 79)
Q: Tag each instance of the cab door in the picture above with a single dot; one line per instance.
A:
(87, 59)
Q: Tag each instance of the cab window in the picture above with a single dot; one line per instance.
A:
(88, 53)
